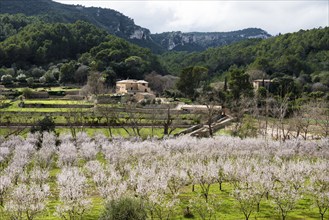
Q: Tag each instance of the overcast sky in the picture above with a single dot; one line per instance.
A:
(275, 17)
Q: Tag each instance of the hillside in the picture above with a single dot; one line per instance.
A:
(122, 26)
(52, 53)
(292, 53)
(39, 51)
(112, 21)
(298, 62)
(199, 41)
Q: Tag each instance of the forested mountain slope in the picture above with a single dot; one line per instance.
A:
(110, 20)
(304, 52)
(297, 63)
(122, 26)
(49, 11)
(41, 43)
(68, 52)
(34, 48)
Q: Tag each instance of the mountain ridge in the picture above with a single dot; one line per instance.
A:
(178, 40)
(116, 23)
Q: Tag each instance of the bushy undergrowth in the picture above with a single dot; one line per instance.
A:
(124, 209)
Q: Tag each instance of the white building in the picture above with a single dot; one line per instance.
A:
(261, 83)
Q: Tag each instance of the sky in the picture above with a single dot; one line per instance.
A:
(273, 16)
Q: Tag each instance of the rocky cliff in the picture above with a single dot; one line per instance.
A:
(197, 41)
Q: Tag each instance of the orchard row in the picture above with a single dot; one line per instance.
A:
(43, 169)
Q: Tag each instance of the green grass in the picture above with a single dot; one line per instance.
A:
(223, 132)
(14, 106)
(5, 131)
(116, 132)
(228, 208)
(45, 110)
(120, 132)
(5, 101)
(58, 88)
(16, 114)
(56, 102)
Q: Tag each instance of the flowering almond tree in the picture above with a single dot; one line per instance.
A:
(206, 210)
(157, 172)
(204, 175)
(72, 185)
(26, 201)
(285, 192)
(67, 154)
(5, 183)
(161, 206)
(110, 184)
(285, 197)
(44, 157)
(319, 187)
(246, 190)
(88, 150)
(39, 176)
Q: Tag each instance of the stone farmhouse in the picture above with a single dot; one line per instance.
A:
(261, 83)
(132, 86)
(137, 88)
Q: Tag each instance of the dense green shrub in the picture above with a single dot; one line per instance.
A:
(45, 124)
(27, 93)
(6, 79)
(57, 93)
(124, 209)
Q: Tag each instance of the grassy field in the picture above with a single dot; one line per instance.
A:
(56, 102)
(120, 132)
(227, 208)
(58, 88)
(89, 117)
(14, 106)
(116, 132)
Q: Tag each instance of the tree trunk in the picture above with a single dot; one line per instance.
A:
(152, 130)
(110, 132)
(210, 130)
(165, 129)
(206, 196)
(283, 217)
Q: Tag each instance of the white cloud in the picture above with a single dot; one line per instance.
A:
(272, 16)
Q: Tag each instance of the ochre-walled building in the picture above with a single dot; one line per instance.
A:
(132, 86)
(139, 89)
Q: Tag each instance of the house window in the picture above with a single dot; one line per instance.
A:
(145, 90)
(131, 88)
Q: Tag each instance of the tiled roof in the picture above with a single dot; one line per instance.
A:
(132, 81)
